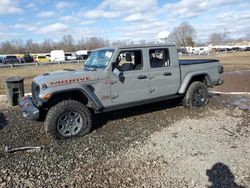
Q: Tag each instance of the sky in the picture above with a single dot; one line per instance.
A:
(131, 20)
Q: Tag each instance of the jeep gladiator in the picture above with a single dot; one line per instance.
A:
(117, 78)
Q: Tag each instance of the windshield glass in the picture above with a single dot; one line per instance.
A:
(99, 58)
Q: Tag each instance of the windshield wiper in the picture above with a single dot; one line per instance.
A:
(94, 67)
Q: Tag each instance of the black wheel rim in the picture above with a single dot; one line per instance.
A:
(199, 97)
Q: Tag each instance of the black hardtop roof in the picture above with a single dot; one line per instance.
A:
(139, 46)
(146, 46)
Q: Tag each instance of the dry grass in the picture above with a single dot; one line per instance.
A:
(230, 61)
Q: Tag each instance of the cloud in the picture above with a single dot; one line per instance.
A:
(131, 9)
(142, 31)
(63, 4)
(25, 26)
(94, 14)
(9, 7)
(135, 18)
(31, 5)
(69, 18)
(193, 8)
(53, 29)
(163, 34)
(128, 5)
(46, 14)
(87, 22)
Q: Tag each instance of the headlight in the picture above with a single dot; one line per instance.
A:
(44, 86)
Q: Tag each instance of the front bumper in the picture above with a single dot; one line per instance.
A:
(29, 110)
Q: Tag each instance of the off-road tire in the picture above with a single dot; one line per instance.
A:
(53, 115)
(188, 100)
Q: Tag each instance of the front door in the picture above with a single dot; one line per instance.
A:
(132, 84)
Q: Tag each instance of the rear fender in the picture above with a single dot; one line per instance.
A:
(188, 78)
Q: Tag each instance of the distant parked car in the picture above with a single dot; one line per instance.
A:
(81, 57)
(1, 59)
(27, 58)
(57, 55)
(41, 59)
(82, 54)
(48, 56)
(247, 49)
(10, 59)
(69, 56)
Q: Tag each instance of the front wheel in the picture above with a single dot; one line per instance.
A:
(196, 95)
(68, 119)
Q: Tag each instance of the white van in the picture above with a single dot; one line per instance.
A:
(57, 55)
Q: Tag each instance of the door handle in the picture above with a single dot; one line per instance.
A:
(142, 77)
(167, 74)
(113, 81)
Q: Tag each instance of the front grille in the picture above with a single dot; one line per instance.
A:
(35, 92)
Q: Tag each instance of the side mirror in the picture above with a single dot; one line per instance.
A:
(116, 72)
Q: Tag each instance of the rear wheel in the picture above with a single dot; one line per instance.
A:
(196, 95)
(68, 119)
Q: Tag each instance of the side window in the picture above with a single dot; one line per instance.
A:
(159, 58)
(130, 60)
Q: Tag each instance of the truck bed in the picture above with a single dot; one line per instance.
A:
(196, 61)
(208, 67)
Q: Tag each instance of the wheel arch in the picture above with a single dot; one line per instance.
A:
(191, 77)
(84, 95)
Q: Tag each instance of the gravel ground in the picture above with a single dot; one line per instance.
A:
(157, 145)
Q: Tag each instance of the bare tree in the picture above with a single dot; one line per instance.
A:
(183, 35)
(95, 42)
(31, 46)
(248, 37)
(47, 46)
(219, 38)
(67, 43)
(119, 43)
(19, 46)
(215, 38)
(7, 47)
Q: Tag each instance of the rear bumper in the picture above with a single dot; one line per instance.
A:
(29, 110)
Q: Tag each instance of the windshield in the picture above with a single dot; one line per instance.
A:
(99, 58)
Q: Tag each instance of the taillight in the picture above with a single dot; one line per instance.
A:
(220, 69)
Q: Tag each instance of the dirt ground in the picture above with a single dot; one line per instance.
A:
(156, 145)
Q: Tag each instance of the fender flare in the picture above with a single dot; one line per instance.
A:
(188, 78)
(86, 91)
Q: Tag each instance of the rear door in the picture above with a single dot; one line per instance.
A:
(132, 85)
(164, 72)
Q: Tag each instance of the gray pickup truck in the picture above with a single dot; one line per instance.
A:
(116, 78)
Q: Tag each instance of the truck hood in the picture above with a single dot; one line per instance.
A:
(64, 77)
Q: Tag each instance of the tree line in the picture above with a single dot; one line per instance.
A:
(67, 43)
(182, 35)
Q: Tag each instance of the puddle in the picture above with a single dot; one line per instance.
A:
(241, 102)
(238, 72)
(3, 121)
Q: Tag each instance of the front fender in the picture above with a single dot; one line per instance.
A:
(86, 91)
